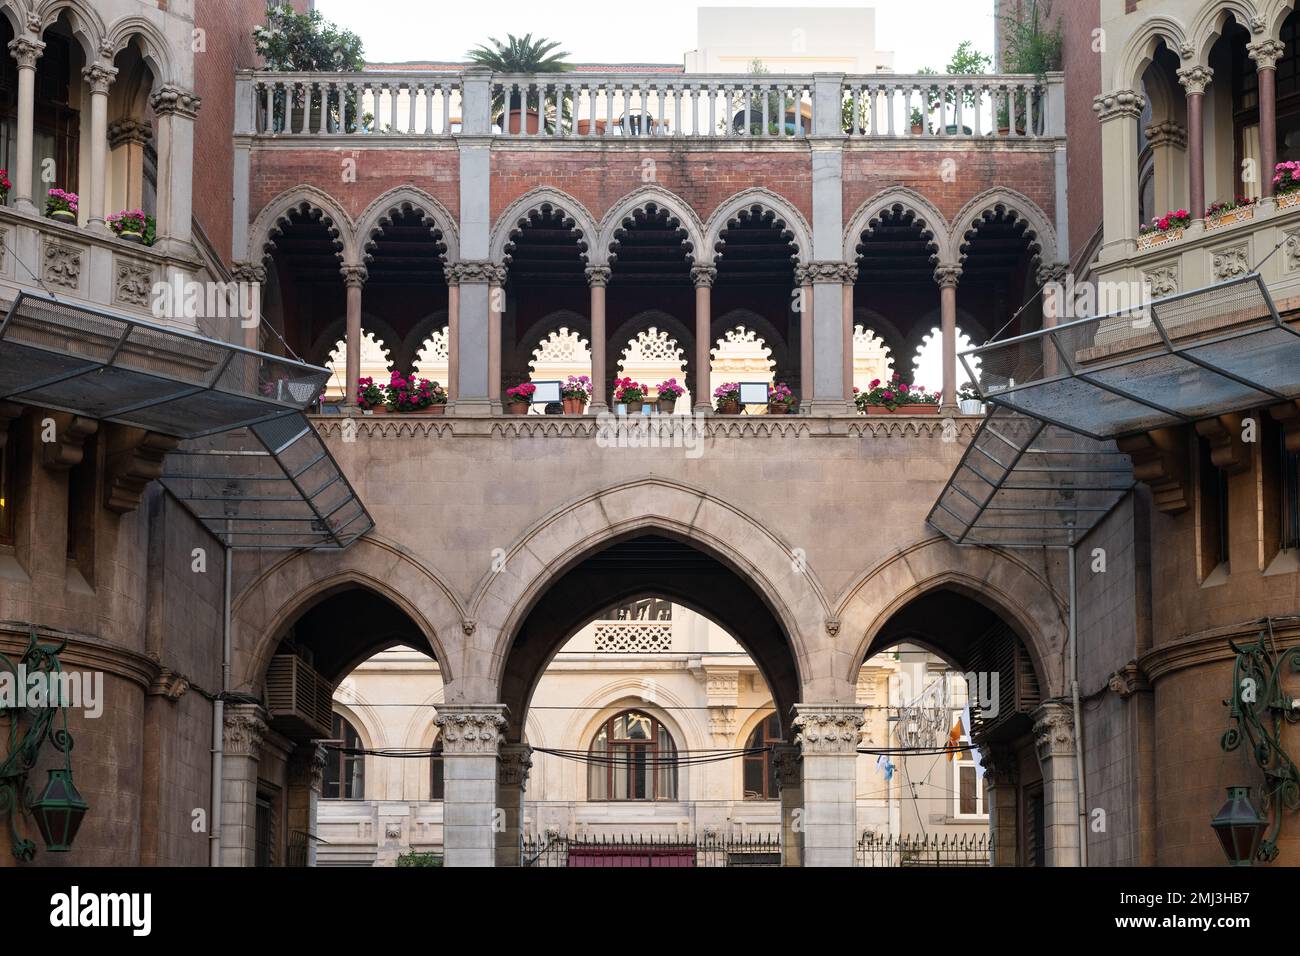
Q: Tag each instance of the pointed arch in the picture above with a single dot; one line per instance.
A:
(678, 208)
(1208, 25)
(15, 11)
(336, 332)
(153, 47)
(1141, 46)
(269, 223)
(86, 24)
(931, 220)
(1275, 13)
(518, 212)
(402, 199)
(1000, 199)
(787, 217)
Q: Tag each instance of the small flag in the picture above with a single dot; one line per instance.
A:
(884, 765)
(954, 739)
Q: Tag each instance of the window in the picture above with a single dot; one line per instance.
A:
(264, 833)
(760, 768)
(1035, 832)
(1213, 511)
(345, 772)
(632, 758)
(56, 126)
(1289, 488)
(437, 777)
(969, 788)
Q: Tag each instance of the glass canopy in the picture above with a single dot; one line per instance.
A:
(249, 467)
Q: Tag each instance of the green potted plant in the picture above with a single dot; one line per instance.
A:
(918, 121)
(969, 401)
(371, 397)
(726, 398)
(134, 225)
(61, 206)
(521, 56)
(5, 186)
(630, 394)
(780, 400)
(1030, 46)
(669, 392)
(308, 43)
(1227, 211)
(575, 394)
(895, 397)
(520, 398)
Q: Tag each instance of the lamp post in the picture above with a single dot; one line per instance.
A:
(1239, 827)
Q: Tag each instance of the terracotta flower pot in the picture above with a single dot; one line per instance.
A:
(517, 408)
(667, 406)
(778, 408)
(575, 406)
(729, 407)
(531, 121)
(634, 408)
(903, 410)
(438, 409)
(379, 410)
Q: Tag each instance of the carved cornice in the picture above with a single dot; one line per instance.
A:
(135, 459)
(475, 272)
(1119, 104)
(1195, 79)
(244, 730)
(1227, 450)
(26, 51)
(703, 276)
(99, 76)
(1160, 461)
(1266, 53)
(598, 276)
(947, 276)
(1054, 730)
(471, 731)
(828, 730)
(515, 760)
(1128, 680)
(69, 445)
(172, 100)
(1209, 647)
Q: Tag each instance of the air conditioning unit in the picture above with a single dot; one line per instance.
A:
(299, 700)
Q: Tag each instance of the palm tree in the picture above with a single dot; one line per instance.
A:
(519, 55)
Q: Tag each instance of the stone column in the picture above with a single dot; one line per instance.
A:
(471, 735)
(597, 282)
(512, 782)
(947, 276)
(828, 338)
(1002, 802)
(803, 281)
(26, 50)
(176, 110)
(789, 779)
(703, 276)
(306, 781)
(354, 279)
(243, 732)
(452, 274)
(254, 277)
(1051, 277)
(99, 77)
(1168, 142)
(496, 306)
(1054, 737)
(1195, 80)
(850, 280)
(478, 327)
(1266, 53)
(827, 736)
(1119, 113)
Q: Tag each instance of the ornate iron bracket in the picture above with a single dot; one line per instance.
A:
(1261, 709)
(29, 728)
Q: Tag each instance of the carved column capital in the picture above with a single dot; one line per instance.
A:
(1054, 730)
(128, 131)
(249, 273)
(243, 730)
(948, 275)
(1195, 79)
(26, 50)
(598, 276)
(515, 761)
(471, 730)
(493, 273)
(99, 76)
(1052, 272)
(703, 276)
(829, 271)
(1266, 53)
(999, 764)
(354, 277)
(828, 729)
(787, 762)
(1167, 133)
(172, 100)
(1119, 104)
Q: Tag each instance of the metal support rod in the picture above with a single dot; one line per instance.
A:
(1078, 709)
(219, 717)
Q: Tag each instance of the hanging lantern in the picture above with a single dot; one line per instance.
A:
(59, 812)
(1239, 827)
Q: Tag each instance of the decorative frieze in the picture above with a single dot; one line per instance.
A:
(1161, 280)
(62, 265)
(470, 731)
(833, 730)
(133, 284)
(1231, 263)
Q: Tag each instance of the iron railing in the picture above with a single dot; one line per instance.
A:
(925, 851)
(708, 850)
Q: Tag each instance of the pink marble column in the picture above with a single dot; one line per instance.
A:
(598, 281)
(948, 276)
(1195, 80)
(354, 278)
(703, 276)
(1266, 53)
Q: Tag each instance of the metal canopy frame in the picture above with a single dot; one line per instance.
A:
(249, 467)
(1159, 364)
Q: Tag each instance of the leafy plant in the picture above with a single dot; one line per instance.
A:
(416, 858)
(726, 394)
(521, 394)
(520, 55)
(578, 386)
(892, 395)
(780, 394)
(308, 43)
(1179, 219)
(1029, 45)
(670, 390)
(627, 391)
(1286, 178)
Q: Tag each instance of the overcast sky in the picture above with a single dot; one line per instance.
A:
(920, 32)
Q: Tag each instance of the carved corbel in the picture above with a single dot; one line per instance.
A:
(1227, 450)
(135, 458)
(1160, 461)
(1289, 417)
(69, 440)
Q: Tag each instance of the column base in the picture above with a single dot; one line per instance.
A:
(830, 407)
(597, 408)
(25, 205)
(949, 411)
(702, 409)
(474, 408)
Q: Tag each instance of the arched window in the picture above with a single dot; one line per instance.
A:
(437, 781)
(345, 773)
(632, 758)
(760, 768)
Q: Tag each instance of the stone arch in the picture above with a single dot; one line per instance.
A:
(153, 47)
(403, 199)
(787, 217)
(1275, 13)
(516, 214)
(932, 221)
(283, 592)
(556, 543)
(618, 338)
(85, 22)
(640, 198)
(336, 332)
(1040, 232)
(1021, 595)
(359, 713)
(15, 11)
(1141, 46)
(1208, 24)
(268, 224)
(421, 333)
(752, 720)
(547, 324)
(750, 319)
